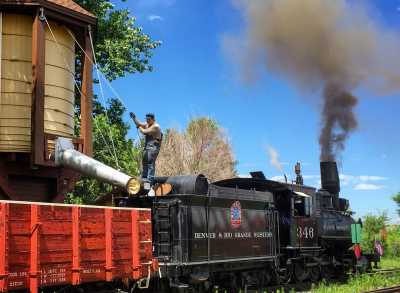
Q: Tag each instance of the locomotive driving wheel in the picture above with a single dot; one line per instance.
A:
(301, 272)
(315, 273)
(283, 276)
(327, 272)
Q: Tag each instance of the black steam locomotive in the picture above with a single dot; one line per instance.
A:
(249, 232)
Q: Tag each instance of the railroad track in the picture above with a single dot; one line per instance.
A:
(394, 289)
(386, 271)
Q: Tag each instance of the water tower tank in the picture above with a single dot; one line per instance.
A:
(37, 92)
(16, 82)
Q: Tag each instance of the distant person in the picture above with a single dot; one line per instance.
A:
(153, 136)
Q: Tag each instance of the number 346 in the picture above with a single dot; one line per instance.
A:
(305, 232)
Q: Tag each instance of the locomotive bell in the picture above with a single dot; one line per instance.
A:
(330, 177)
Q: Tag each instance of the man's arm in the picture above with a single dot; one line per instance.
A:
(154, 129)
(137, 122)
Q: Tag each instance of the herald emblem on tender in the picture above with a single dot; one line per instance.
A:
(236, 214)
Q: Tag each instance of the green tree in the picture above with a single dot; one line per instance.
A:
(110, 146)
(372, 230)
(121, 47)
(393, 241)
(396, 198)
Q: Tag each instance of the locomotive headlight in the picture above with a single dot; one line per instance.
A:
(134, 186)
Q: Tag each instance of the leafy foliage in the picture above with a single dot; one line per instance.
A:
(361, 283)
(396, 198)
(393, 241)
(120, 46)
(373, 229)
(111, 147)
(202, 148)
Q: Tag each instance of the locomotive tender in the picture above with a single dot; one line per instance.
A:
(248, 232)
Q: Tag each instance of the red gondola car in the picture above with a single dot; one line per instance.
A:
(44, 245)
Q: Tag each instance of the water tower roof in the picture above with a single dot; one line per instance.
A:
(62, 7)
(71, 5)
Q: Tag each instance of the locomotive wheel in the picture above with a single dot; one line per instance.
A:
(315, 274)
(327, 272)
(282, 277)
(267, 278)
(301, 273)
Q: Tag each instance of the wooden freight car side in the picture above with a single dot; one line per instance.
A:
(43, 245)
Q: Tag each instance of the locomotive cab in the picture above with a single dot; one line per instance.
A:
(303, 225)
(302, 204)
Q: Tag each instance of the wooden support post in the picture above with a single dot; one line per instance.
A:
(34, 259)
(86, 98)
(76, 258)
(135, 238)
(108, 213)
(38, 78)
(4, 247)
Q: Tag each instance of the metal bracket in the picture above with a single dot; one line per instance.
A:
(42, 17)
(145, 280)
(35, 227)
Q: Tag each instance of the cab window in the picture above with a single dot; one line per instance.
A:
(302, 205)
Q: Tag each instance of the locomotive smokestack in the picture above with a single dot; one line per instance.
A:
(330, 177)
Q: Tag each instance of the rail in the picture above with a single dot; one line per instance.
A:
(394, 289)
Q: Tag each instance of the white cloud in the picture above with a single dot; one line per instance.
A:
(311, 176)
(154, 17)
(244, 176)
(361, 182)
(372, 178)
(367, 186)
(279, 178)
(357, 182)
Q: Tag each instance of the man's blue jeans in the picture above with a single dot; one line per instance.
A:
(150, 154)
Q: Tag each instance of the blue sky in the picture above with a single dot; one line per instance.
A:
(193, 76)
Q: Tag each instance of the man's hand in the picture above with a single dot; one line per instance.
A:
(133, 116)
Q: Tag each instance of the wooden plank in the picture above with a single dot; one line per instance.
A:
(1, 38)
(86, 99)
(108, 213)
(3, 247)
(34, 256)
(38, 79)
(76, 259)
(135, 245)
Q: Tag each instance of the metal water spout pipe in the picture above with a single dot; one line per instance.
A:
(66, 155)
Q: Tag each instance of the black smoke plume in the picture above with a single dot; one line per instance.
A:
(326, 46)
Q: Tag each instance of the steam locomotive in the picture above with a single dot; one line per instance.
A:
(248, 232)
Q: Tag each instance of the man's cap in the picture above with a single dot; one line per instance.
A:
(150, 115)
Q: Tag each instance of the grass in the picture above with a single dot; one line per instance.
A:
(358, 284)
(390, 263)
(364, 283)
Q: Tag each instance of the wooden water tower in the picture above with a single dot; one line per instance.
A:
(37, 95)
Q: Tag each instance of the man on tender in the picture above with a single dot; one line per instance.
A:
(153, 137)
